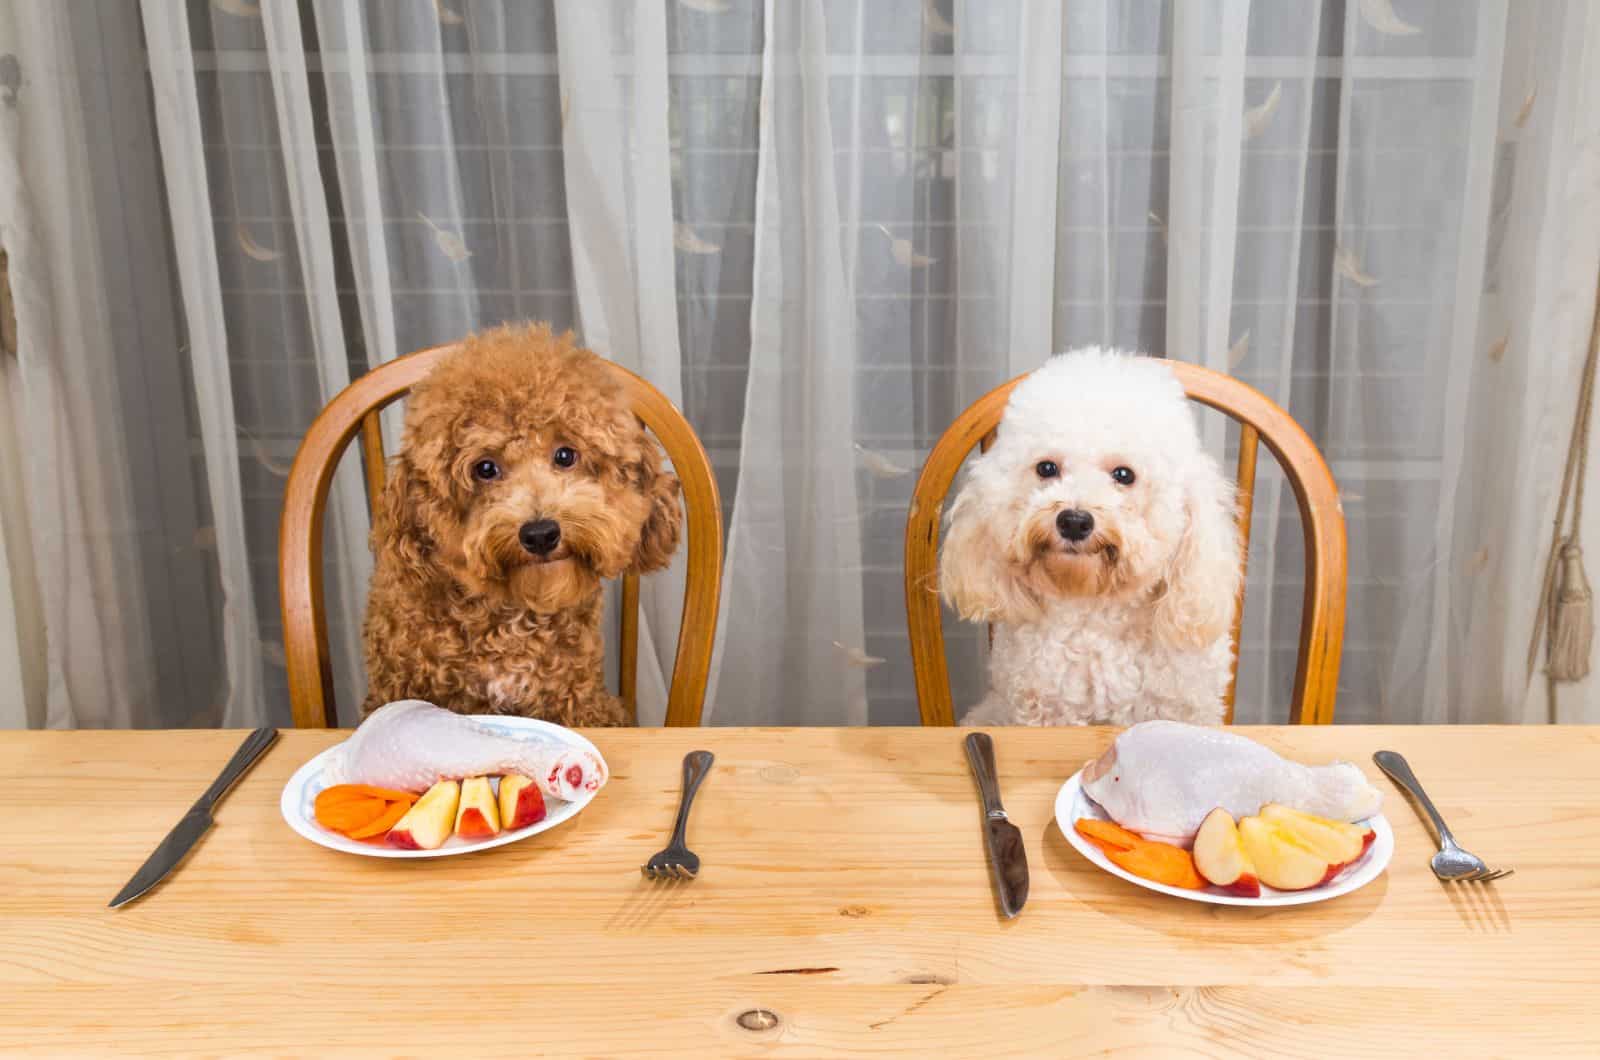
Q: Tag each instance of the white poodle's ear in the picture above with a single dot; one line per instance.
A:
(1202, 581)
(975, 575)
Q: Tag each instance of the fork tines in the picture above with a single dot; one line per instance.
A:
(667, 871)
(1483, 876)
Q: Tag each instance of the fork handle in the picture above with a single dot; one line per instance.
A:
(1399, 771)
(696, 764)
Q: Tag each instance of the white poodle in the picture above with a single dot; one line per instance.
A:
(1098, 536)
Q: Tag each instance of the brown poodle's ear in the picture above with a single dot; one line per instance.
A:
(659, 537)
(398, 536)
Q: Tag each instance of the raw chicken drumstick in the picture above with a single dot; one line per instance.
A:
(409, 745)
(1161, 778)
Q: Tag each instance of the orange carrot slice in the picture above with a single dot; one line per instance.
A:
(386, 794)
(387, 820)
(347, 815)
(1107, 835)
(1161, 862)
(351, 792)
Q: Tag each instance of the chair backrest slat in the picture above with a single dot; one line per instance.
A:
(628, 647)
(1245, 476)
(1322, 617)
(356, 408)
(372, 459)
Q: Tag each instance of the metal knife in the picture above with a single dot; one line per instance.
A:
(1007, 860)
(197, 821)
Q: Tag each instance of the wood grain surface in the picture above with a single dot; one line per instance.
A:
(844, 892)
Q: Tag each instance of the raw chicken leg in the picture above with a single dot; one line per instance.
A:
(1161, 778)
(409, 745)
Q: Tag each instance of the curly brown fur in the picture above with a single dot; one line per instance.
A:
(461, 613)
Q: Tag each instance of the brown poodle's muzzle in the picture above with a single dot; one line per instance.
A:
(548, 549)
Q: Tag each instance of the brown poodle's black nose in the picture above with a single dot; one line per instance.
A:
(1074, 524)
(540, 536)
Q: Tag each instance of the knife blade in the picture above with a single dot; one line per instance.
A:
(1008, 861)
(195, 823)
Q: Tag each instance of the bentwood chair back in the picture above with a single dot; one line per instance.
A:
(1260, 420)
(355, 409)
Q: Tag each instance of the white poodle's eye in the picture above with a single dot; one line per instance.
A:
(1047, 469)
(1123, 476)
(566, 456)
(485, 470)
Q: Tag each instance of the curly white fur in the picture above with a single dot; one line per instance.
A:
(1133, 621)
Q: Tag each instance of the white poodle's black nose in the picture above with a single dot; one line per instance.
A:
(540, 536)
(1074, 524)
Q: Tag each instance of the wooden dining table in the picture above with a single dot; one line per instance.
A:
(844, 907)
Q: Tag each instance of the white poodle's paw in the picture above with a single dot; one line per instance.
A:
(992, 711)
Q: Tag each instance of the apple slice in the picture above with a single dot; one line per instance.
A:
(427, 824)
(1275, 811)
(477, 818)
(1335, 846)
(1281, 860)
(1220, 857)
(521, 802)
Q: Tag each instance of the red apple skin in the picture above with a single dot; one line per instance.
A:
(402, 841)
(473, 825)
(1245, 887)
(1334, 870)
(529, 808)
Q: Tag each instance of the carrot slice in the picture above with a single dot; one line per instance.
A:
(1161, 862)
(387, 820)
(329, 798)
(1107, 835)
(386, 794)
(347, 815)
(341, 793)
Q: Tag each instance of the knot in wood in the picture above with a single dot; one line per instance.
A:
(757, 1019)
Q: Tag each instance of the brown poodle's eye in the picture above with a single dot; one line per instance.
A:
(1123, 476)
(486, 470)
(1047, 469)
(566, 456)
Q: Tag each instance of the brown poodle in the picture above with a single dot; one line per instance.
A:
(523, 480)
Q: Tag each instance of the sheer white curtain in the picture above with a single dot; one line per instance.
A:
(74, 631)
(824, 227)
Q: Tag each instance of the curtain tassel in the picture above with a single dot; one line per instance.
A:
(1571, 619)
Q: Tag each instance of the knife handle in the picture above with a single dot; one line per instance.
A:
(980, 752)
(254, 746)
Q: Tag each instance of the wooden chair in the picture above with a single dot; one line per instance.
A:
(356, 408)
(1260, 420)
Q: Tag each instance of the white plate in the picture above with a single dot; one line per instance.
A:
(1072, 803)
(309, 779)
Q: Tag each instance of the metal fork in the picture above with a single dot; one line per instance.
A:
(677, 861)
(1451, 864)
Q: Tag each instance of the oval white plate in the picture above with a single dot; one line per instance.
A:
(308, 780)
(1072, 803)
